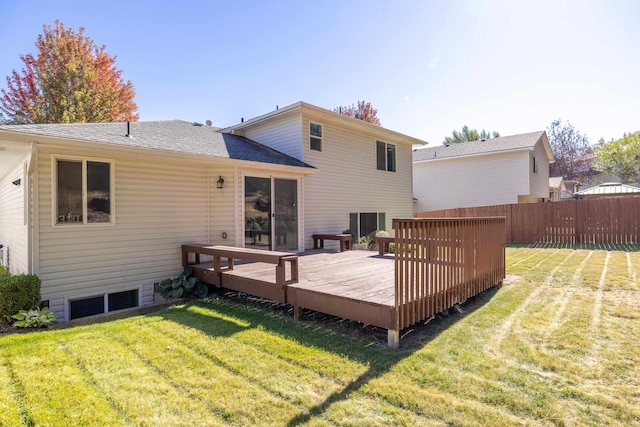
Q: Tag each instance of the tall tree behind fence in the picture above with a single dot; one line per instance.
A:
(614, 220)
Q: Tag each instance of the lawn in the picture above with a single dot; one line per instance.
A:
(557, 344)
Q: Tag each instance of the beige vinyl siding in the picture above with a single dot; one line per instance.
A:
(282, 134)
(471, 181)
(350, 182)
(539, 183)
(13, 230)
(222, 209)
(160, 203)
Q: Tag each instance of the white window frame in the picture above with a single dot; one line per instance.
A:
(321, 137)
(378, 227)
(54, 191)
(535, 165)
(386, 157)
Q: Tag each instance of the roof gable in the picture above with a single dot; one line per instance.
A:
(327, 115)
(521, 142)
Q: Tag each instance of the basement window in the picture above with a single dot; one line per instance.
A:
(122, 300)
(96, 305)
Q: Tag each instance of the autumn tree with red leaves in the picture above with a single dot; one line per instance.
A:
(362, 110)
(70, 80)
(572, 152)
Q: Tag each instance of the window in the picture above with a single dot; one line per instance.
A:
(122, 300)
(535, 164)
(365, 223)
(96, 305)
(386, 156)
(84, 191)
(315, 136)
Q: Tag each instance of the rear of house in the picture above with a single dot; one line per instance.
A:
(512, 169)
(364, 177)
(99, 211)
(100, 216)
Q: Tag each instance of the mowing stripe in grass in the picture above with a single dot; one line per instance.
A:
(300, 387)
(13, 411)
(503, 330)
(137, 390)
(238, 400)
(53, 386)
(90, 377)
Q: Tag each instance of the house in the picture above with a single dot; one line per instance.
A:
(556, 188)
(505, 170)
(608, 190)
(99, 211)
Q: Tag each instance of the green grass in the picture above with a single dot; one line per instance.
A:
(557, 344)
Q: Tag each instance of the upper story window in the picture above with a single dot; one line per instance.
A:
(83, 191)
(534, 165)
(386, 156)
(315, 136)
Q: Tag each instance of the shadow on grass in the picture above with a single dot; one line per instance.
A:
(624, 247)
(361, 343)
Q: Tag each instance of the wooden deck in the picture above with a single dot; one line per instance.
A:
(357, 285)
(437, 263)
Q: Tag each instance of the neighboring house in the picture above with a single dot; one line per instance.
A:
(556, 188)
(571, 187)
(608, 190)
(98, 211)
(510, 169)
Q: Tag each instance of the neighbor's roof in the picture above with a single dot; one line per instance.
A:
(169, 136)
(556, 182)
(609, 188)
(525, 141)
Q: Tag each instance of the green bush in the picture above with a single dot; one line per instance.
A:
(183, 285)
(4, 272)
(21, 292)
(36, 318)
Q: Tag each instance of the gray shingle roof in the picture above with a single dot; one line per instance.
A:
(172, 135)
(525, 141)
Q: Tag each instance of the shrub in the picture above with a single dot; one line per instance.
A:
(4, 272)
(36, 318)
(370, 239)
(183, 285)
(21, 292)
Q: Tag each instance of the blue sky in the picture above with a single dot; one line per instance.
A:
(429, 67)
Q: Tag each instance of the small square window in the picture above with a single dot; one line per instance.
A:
(315, 138)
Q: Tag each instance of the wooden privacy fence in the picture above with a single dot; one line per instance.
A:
(441, 262)
(614, 220)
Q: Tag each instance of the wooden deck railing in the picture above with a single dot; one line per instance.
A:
(440, 262)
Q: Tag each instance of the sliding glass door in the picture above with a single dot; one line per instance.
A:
(271, 209)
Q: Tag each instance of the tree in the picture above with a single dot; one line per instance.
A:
(467, 135)
(362, 110)
(572, 152)
(71, 80)
(620, 157)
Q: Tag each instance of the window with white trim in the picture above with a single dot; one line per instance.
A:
(386, 156)
(534, 165)
(364, 223)
(83, 191)
(315, 136)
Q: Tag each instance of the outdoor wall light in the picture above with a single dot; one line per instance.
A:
(17, 182)
(220, 182)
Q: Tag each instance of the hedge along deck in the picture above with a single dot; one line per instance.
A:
(437, 263)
